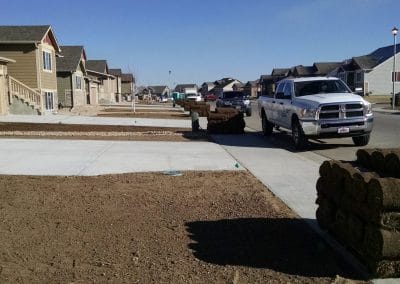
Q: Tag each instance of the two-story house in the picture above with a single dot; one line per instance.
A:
(116, 84)
(98, 73)
(128, 87)
(32, 78)
(71, 72)
(373, 73)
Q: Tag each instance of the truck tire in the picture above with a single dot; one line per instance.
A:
(267, 126)
(299, 139)
(361, 140)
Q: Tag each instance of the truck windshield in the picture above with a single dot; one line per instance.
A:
(320, 87)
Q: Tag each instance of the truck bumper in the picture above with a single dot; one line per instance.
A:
(337, 128)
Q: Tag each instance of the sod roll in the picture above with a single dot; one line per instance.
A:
(392, 164)
(364, 157)
(360, 184)
(325, 170)
(386, 220)
(384, 194)
(384, 268)
(378, 159)
(381, 243)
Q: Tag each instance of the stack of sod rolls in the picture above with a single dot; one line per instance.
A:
(359, 203)
(225, 121)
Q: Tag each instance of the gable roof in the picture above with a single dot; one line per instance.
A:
(158, 89)
(301, 70)
(115, 72)
(70, 58)
(127, 77)
(27, 34)
(375, 58)
(324, 68)
(98, 66)
(181, 87)
(280, 71)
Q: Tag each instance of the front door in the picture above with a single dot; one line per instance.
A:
(49, 100)
(284, 106)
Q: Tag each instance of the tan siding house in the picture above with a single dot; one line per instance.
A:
(34, 49)
(99, 72)
(71, 73)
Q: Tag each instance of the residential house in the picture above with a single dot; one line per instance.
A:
(206, 87)
(252, 88)
(224, 85)
(32, 78)
(186, 88)
(268, 82)
(373, 73)
(71, 72)
(159, 91)
(238, 86)
(116, 86)
(100, 78)
(144, 93)
(128, 87)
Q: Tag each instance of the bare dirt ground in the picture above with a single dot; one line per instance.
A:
(99, 132)
(201, 227)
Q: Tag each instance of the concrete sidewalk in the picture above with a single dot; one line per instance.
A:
(95, 120)
(88, 157)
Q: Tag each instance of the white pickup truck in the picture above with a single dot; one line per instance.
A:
(316, 107)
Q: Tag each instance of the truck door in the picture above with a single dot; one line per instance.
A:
(284, 106)
(274, 106)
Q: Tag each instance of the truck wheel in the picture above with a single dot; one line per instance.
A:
(267, 126)
(361, 140)
(299, 139)
(248, 112)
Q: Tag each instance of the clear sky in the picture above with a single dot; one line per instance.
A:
(205, 40)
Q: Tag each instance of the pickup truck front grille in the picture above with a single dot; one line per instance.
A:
(341, 111)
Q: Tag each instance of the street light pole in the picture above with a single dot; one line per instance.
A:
(394, 33)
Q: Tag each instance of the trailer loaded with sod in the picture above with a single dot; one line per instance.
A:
(359, 203)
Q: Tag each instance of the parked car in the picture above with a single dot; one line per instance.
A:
(193, 97)
(235, 99)
(210, 97)
(317, 107)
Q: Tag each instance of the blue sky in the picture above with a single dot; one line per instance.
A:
(205, 40)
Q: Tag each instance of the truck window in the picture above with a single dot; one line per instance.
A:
(280, 88)
(320, 87)
(287, 92)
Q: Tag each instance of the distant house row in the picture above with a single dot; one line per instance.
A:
(39, 76)
(369, 74)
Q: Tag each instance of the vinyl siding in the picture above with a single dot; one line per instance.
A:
(24, 69)
(48, 79)
(380, 78)
(126, 88)
(63, 85)
(79, 94)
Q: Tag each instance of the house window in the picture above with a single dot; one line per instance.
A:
(78, 82)
(49, 100)
(46, 60)
(396, 76)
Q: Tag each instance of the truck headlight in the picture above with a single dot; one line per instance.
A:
(368, 108)
(309, 113)
(246, 102)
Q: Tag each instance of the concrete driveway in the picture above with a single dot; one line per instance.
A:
(79, 157)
